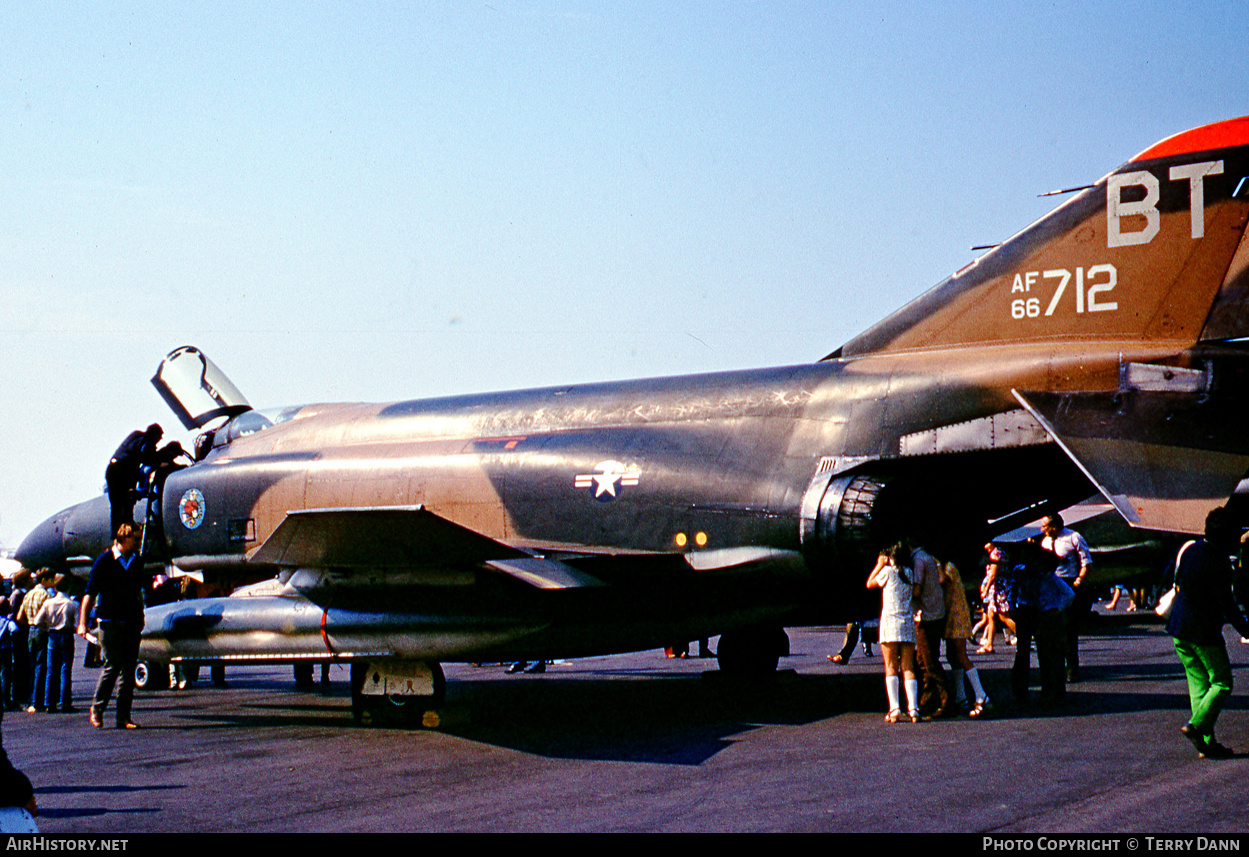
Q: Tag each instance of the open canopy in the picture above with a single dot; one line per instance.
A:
(195, 389)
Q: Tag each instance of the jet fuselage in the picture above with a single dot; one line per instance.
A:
(1097, 349)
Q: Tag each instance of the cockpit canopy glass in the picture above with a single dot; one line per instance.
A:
(195, 389)
(243, 425)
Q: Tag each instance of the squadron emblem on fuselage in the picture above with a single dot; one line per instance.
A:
(610, 478)
(191, 509)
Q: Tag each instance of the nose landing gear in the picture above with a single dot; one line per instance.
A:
(396, 691)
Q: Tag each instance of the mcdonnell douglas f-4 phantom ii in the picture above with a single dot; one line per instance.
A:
(1099, 349)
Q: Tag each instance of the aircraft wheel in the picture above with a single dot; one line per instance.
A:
(752, 653)
(145, 673)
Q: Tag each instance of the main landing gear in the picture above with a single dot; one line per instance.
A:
(396, 692)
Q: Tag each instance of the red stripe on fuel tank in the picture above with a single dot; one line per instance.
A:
(325, 638)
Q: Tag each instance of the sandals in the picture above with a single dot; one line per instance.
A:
(837, 659)
(896, 716)
(981, 708)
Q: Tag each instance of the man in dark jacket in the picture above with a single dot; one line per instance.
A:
(122, 474)
(1039, 599)
(1203, 605)
(116, 588)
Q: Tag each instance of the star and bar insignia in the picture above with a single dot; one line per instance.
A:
(610, 477)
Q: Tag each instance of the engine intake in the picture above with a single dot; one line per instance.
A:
(847, 519)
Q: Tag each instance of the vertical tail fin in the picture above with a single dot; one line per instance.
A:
(1152, 252)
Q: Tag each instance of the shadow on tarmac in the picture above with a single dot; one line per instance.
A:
(681, 720)
(65, 790)
(647, 715)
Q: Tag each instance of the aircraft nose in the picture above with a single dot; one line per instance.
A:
(44, 545)
(72, 537)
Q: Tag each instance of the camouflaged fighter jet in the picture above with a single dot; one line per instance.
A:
(1099, 349)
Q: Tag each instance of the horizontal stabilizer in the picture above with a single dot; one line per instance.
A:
(1163, 459)
(395, 537)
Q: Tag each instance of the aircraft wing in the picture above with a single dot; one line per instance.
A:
(403, 537)
(1164, 459)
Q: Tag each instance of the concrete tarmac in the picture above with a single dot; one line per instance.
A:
(642, 743)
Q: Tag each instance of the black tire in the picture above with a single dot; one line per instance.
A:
(145, 673)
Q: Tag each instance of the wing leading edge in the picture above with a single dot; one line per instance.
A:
(393, 536)
(403, 537)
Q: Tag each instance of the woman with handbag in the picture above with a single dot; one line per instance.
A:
(1203, 604)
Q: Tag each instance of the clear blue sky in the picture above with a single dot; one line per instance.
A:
(366, 201)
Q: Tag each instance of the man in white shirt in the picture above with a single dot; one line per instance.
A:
(1074, 563)
(929, 631)
(59, 614)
